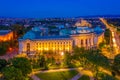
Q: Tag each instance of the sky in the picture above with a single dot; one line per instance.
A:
(58, 8)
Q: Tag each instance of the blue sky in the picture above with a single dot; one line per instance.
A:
(58, 8)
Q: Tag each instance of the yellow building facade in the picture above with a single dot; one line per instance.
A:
(30, 46)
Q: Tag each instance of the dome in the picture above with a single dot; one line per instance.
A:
(29, 35)
(82, 23)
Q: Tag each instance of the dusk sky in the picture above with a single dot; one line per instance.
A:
(58, 8)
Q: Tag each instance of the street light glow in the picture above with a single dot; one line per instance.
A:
(62, 53)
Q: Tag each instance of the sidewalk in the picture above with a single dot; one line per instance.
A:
(76, 77)
(34, 77)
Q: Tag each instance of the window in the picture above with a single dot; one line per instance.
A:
(28, 48)
(81, 42)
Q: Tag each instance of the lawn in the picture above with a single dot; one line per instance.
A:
(84, 77)
(62, 75)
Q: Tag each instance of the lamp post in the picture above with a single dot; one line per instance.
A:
(62, 57)
(62, 53)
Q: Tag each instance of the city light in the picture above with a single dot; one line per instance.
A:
(62, 53)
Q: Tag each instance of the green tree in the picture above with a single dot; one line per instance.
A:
(18, 30)
(41, 61)
(102, 45)
(12, 73)
(107, 35)
(4, 47)
(3, 63)
(23, 64)
(104, 76)
(116, 64)
(91, 59)
(2, 50)
(67, 58)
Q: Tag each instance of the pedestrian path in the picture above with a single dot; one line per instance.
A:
(76, 77)
(34, 77)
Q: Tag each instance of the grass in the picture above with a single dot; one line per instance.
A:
(84, 77)
(62, 75)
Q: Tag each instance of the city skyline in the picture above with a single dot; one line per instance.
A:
(53, 8)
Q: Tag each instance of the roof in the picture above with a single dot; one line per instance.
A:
(4, 32)
(33, 35)
(53, 37)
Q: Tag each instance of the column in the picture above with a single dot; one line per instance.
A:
(80, 43)
(92, 41)
(88, 44)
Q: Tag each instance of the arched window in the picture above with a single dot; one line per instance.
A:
(28, 48)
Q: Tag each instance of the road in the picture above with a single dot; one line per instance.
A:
(115, 36)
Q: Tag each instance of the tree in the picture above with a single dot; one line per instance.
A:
(116, 64)
(41, 61)
(23, 64)
(18, 30)
(4, 47)
(12, 73)
(3, 63)
(67, 58)
(2, 50)
(102, 45)
(107, 36)
(104, 76)
(91, 59)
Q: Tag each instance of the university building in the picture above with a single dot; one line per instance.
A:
(83, 35)
(6, 35)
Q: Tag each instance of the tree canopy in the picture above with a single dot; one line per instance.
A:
(12, 73)
(3, 63)
(23, 64)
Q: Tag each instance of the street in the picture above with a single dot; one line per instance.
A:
(115, 36)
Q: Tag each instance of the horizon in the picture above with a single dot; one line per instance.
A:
(85, 16)
(53, 8)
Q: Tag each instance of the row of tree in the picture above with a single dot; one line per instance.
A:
(107, 36)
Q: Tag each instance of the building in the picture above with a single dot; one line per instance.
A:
(82, 36)
(6, 35)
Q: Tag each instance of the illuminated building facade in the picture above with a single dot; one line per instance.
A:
(82, 36)
(6, 35)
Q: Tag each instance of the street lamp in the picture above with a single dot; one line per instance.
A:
(62, 58)
(62, 53)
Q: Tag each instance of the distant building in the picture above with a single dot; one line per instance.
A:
(6, 35)
(60, 26)
(82, 36)
(82, 23)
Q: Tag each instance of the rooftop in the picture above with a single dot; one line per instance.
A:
(33, 35)
(4, 32)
